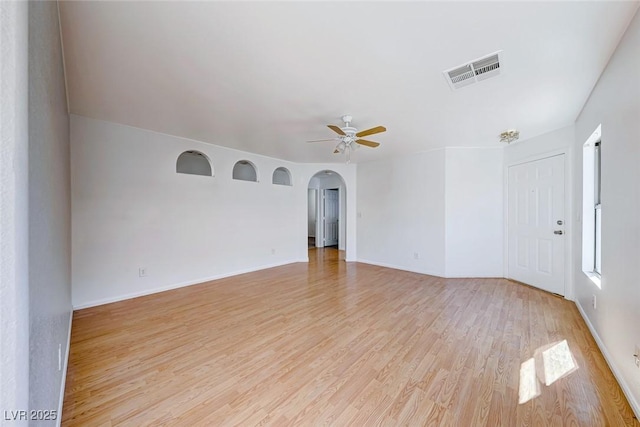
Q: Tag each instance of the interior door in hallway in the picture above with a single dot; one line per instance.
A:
(331, 214)
(536, 223)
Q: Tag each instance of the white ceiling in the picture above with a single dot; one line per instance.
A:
(265, 77)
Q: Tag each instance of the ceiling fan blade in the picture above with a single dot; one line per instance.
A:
(372, 144)
(336, 129)
(371, 131)
(323, 140)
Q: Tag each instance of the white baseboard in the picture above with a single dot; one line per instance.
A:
(64, 371)
(607, 357)
(473, 276)
(397, 267)
(109, 300)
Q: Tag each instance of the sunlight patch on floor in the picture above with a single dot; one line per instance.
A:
(548, 364)
(558, 362)
(529, 386)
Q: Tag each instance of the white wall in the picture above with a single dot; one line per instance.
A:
(132, 210)
(474, 212)
(615, 103)
(437, 212)
(14, 214)
(401, 212)
(49, 209)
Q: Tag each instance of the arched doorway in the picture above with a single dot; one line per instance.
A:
(326, 210)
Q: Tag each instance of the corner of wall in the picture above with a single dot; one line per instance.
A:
(49, 217)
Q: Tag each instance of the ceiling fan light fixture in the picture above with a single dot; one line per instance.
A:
(509, 136)
(349, 137)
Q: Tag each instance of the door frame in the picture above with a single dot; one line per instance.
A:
(315, 212)
(346, 226)
(570, 229)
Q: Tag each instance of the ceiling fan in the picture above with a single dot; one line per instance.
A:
(349, 138)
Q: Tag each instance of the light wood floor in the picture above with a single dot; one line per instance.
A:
(334, 343)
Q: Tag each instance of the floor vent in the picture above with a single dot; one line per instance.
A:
(474, 71)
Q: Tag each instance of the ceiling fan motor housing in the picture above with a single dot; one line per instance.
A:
(350, 131)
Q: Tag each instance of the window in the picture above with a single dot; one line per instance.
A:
(244, 170)
(592, 207)
(597, 210)
(194, 163)
(281, 176)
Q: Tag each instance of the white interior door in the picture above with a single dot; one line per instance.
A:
(331, 214)
(536, 223)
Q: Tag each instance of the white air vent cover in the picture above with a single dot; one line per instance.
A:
(474, 71)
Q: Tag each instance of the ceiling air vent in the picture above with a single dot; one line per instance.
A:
(474, 71)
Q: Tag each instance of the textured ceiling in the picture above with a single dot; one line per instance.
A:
(265, 77)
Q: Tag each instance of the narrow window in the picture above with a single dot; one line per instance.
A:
(592, 207)
(244, 170)
(282, 176)
(597, 209)
(194, 163)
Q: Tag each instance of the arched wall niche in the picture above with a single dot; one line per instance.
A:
(281, 176)
(244, 170)
(194, 162)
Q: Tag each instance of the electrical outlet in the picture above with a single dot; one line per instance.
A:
(142, 272)
(59, 357)
(636, 356)
(593, 301)
(273, 251)
(416, 255)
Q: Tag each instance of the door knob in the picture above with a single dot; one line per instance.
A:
(558, 232)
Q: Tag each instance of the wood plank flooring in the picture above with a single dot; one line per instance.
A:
(335, 343)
